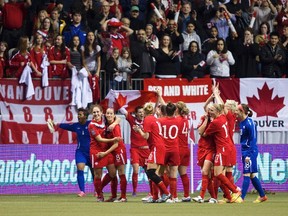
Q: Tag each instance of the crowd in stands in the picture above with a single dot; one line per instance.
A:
(128, 38)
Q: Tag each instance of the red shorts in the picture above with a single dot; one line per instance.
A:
(204, 154)
(157, 155)
(139, 156)
(222, 159)
(172, 159)
(120, 157)
(101, 162)
(184, 157)
(233, 155)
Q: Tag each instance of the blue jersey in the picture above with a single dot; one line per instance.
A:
(83, 137)
(248, 139)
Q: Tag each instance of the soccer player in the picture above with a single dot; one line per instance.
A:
(182, 112)
(170, 130)
(82, 154)
(98, 144)
(151, 131)
(139, 150)
(249, 149)
(218, 128)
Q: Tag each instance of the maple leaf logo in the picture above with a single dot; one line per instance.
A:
(265, 105)
(120, 102)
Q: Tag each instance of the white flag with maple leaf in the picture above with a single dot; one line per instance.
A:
(267, 98)
(128, 99)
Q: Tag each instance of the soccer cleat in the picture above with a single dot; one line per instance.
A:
(164, 198)
(81, 194)
(198, 199)
(239, 200)
(212, 200)
(260, 199)
(176, 200)
(225, 200)
(111, 199)
(144, 199)
(186, 199)
(120, 200)
(100, 199)
(234, 196)
(150, 200)
(170, 201)
(134, 194)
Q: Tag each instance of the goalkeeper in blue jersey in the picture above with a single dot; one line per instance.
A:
(249, 149)
(82, 154)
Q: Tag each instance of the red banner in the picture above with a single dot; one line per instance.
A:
(24, 120)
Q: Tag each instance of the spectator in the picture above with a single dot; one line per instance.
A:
(220, 60)
(282, 19)
(37, 53)
(75, 54)
(115, 9)
(152, 37)
(3, 58)
(263, 34)
(136, 23)
(272, 57)
(47, 32)
(21, 58)
(42, 14)
(221, 22)
(285, 45)
(185, 15)
(57, 23)
(167, 59)
(112, 69)
(103, 15)
(14, 20)
(76, 28)
(124, 65)
(59, 56)
(210, 43)
(141, 56)
(193, 63)
(246, 65)
(190, 35)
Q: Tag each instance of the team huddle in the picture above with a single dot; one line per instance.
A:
(159, 144)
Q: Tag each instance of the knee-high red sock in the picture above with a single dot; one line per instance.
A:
(186, 184)
(216, 186)
(205, 181)
(105, 181)
(151, 187)
(163, 188)
(211, 188)
(98, 188)
(134, 181)
(224, 180)
(229, 175)
(114, 184)
(225, 191)
(155, 191)
(173, 187)
(123, 185)
(166, 179)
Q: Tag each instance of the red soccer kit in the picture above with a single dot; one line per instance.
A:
(15, 63)
(183, 140)
(218, 129)
(60, 70)
(95, 129)
(139, 150)
(231, 119)
(155, 140)
(119, 154)
(170, 131)
(206, 147)
(37, 58)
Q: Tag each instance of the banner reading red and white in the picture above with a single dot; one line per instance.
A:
(24, 121)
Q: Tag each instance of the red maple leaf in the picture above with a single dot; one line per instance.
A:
(104, 104)
(120, 102)
(265, 105)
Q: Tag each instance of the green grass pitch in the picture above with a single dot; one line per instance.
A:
(70, 205)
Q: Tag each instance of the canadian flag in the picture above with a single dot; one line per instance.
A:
(267, 98)
(128, 99)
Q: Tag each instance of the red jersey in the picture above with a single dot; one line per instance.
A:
(207, 142)
(136, 139)
(116, 132)
(183, 132)
(13, 15)
(37, 58)
(153, 127)
(231, 119)
(15, 63)
(58, 69)
(95, 129)
(218, 128)
(170, 131)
